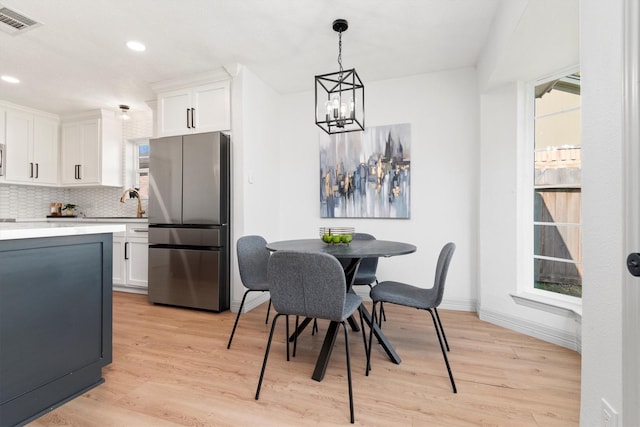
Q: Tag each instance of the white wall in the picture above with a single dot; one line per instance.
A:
(255, 169)
(501, 225)
(601, 49)
(604, 262)
(443, 113)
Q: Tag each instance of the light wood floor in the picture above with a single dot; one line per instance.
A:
(171, 367)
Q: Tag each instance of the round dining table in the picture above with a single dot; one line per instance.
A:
(352, 253)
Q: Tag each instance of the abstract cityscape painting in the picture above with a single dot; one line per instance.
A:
(366, 174)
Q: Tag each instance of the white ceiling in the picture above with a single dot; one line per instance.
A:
(77, 60)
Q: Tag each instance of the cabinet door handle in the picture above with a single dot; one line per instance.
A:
(188, 123)
(79, 174)
(31, 170)
(37, 170)
(75, 171)
(193, 113)
(126, 250)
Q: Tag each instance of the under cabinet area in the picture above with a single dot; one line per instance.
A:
(31, 148)
(130, 259)
(204, 108)
(91, 150)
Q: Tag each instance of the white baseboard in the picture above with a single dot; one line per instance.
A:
(447, 303)
(123, 288)
(572, 341)
(459, 305)
(254, 299)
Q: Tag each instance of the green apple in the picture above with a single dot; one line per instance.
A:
(336, 238)
(346, 238)
(326, 237)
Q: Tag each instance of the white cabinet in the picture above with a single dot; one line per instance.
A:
(119, 240)
(3, 114)
(3, 153)
(130, 259)
(203, 108)
(91, 150)
(31, 148)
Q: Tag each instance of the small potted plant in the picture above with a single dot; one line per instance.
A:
(69, 209)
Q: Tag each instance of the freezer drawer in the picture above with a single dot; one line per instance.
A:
(185, 236)
(186, 278)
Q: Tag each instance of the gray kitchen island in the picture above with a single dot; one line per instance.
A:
(55, 314)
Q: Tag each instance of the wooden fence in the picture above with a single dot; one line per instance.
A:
(558, 201)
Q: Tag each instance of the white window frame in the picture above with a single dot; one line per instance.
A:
(526, 294)
(136, 170)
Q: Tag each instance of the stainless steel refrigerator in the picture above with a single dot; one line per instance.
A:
(189, 212)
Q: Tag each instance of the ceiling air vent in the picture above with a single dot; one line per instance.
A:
(14, 23)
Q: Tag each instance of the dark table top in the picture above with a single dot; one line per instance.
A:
(355, 249)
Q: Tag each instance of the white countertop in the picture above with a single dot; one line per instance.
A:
(30, 230)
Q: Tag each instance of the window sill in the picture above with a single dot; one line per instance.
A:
(549, 304)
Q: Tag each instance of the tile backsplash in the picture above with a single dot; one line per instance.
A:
(27, 201)
(24, 201)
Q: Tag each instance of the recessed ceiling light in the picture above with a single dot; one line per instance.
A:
(137, 46)
(10, 79)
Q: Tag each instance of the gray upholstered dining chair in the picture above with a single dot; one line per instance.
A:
(313, 285)
(253, 258)
(420, 298)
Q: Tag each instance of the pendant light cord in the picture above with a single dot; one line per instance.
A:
(340, 52)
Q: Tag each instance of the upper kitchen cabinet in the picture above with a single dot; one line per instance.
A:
(31, 147)
(202, 105)
(91, 150)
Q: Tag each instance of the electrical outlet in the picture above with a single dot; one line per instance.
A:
(608, 417)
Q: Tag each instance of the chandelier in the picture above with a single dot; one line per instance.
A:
(340, 95)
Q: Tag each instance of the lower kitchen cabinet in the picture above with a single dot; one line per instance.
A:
(130, 259)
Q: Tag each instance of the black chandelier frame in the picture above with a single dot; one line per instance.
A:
(339, 96)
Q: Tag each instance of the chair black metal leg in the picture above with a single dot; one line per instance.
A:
(383, 315)
(444, 353)
(295, 340)
(268, 311)
(364, 337)
(314, 329)
(346, 346)
(373, 322)
(235, 324)
(266, 354)
(287, 336)
(441, 328)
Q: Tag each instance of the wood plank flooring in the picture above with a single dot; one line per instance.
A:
(171, 367)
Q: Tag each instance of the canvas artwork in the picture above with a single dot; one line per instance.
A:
(366, 174)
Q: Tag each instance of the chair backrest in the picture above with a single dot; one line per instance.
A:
(444, 259)
(368, 266)
(253, 258)
(310, 284)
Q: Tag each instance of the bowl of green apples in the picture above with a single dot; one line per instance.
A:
(337, 235)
